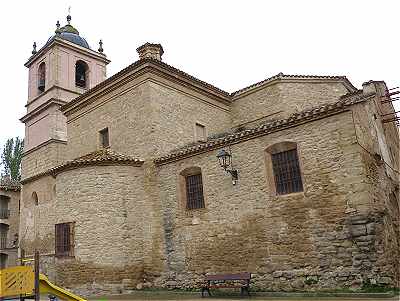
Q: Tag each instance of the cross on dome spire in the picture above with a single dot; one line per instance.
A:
(69, 15)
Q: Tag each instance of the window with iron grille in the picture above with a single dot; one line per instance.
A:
(65, 239)
(287, 172)
(194, 192)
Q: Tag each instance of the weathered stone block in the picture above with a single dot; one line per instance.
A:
(358, 230)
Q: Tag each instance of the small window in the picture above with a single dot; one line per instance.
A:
(286, 170)
(35, 198)
(194, 192)
(104, 138)
(65, 239)
(81, 74)
(200, 132)
(42, 77)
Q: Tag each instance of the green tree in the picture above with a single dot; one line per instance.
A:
(11, 158)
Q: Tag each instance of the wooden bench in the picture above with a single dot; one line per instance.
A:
(241, 280)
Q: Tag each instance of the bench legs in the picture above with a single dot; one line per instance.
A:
(243, 290)
(205, 289)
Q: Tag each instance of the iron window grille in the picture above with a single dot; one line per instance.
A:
(194, 192)
(3, 241)
(64, 239)
(287, 174)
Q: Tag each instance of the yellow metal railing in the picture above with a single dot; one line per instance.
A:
(15, 281)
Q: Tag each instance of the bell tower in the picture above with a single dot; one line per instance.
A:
(61, 70)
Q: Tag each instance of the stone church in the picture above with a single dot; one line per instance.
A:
(152, 178)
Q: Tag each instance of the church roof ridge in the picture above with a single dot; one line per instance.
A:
(281, 76)
(265, 128)
(137, 64)
(226, 95)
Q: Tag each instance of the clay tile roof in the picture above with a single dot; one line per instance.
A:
(8, 184)
(99, 157)
(264, 129)
(281, 76)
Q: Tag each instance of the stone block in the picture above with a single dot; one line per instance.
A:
(358, 230)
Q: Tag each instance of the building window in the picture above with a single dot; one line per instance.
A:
(35, 198)
(42, 77)
(81, 74)
(65, 239)
(283, 168)
(200, 132)
(194, 192)
(104, 138)
(4, 211)
(287, 172)
(3, 235)
(191, 188)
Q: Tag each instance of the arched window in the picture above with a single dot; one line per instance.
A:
(191, 183)
(35, 198)
(42, 77)
(283, 168)
(81, 74)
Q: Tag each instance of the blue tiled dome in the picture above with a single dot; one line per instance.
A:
(71, 34)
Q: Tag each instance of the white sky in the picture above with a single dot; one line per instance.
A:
(229, 44)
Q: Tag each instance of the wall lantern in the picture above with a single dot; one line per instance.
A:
(225, 160)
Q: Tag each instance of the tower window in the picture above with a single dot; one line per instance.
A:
(104, 138)
(81, 74)
(42, 77)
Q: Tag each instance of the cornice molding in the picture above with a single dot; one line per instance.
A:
(48, 90)
(31, 150)
(41, 108)
(70, 45)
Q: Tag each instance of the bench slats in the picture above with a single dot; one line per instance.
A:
(239, 276)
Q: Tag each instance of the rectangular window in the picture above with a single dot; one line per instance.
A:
(287, 172)
(65, 239)
(201, 132)
(104, 138)
(194, 192)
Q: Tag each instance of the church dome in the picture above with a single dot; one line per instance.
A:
(69, 33)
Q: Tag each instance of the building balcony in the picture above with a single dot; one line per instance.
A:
(3, 242)
(4, 213)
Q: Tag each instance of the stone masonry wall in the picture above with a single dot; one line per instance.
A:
(42, 159)
(316, 239)
(281, 99)
(108, 237)
(176, 113)
(381, 225)
(145, 118)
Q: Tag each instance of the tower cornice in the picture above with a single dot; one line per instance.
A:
(69, 45)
